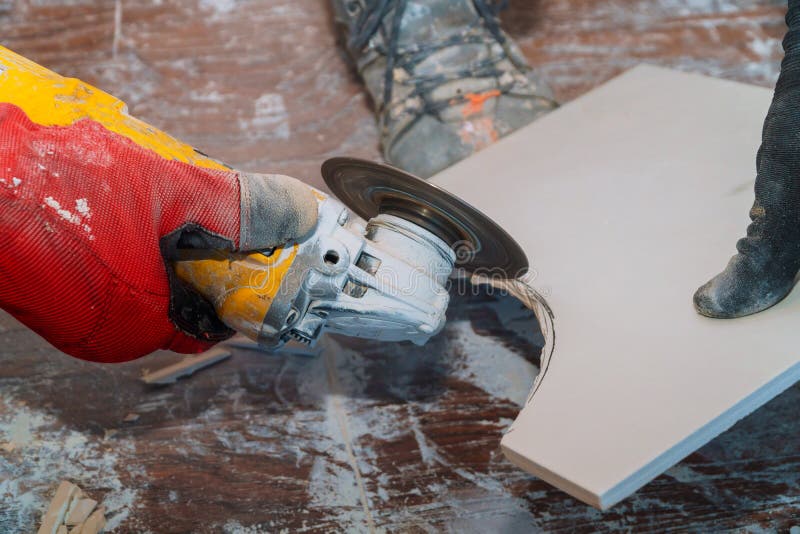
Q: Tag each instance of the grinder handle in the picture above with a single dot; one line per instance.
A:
(241, 287)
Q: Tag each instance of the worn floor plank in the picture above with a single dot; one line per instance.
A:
(260, 443)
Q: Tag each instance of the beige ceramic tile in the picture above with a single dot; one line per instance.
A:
(625, 201)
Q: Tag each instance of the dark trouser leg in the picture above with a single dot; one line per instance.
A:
(764, 270)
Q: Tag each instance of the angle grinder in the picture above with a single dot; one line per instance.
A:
(376, 265)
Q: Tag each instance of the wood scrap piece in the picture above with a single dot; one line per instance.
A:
(131, 418)
(80, 511)
(58, 508)
(93, 524)
(69, 507)
(186, 367)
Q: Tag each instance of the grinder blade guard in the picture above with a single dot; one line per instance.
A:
(385, 277)
(370, 189)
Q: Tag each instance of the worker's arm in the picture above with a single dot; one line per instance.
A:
(89, 221)
(763, 272)
(95, 204)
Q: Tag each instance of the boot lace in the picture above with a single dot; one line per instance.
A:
(370, 21)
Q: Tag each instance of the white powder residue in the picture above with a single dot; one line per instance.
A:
(15, 183)
(81, 206)
(497, 370)
(87, 153)
(765, 47)
(218, 8)
(428, 453)
(269, 120)
(234, 527)
(208, 97)
(64, 214)
(42, 454)
(43, 148)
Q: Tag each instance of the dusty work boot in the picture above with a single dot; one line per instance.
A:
(764, 270)
(445, 79)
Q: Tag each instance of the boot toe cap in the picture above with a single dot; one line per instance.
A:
(706, 304)
(739, 291)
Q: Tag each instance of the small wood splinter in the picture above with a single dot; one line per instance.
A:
(186, 367)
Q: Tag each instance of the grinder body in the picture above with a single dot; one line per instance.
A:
(384, 279)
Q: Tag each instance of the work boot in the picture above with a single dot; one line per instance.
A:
(445, 79)
(764, 270)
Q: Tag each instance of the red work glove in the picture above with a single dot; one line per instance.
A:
(89, 221)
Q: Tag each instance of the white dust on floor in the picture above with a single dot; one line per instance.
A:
(38, 452)
(269, 118)
(487, 364)
(342, 444)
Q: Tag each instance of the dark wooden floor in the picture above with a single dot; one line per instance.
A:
(367, 436)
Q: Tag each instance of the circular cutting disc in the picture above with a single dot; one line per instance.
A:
(370, 189)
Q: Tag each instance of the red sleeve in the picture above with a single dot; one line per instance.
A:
(82, 214)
